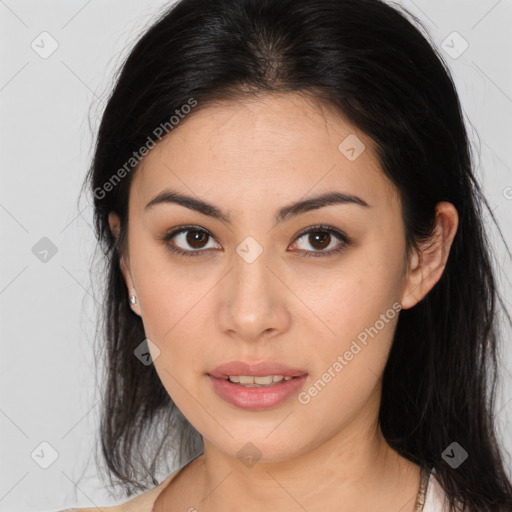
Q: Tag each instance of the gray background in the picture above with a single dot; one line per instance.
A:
(50, 108)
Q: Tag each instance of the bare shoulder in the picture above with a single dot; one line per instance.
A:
(125, 507)
(118, 508)
(140, 503)
(135, 504)
(129, 506)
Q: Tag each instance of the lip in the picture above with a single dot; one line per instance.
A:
(255, 398)
(255, 369)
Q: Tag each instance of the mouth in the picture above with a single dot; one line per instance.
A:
(256, 386)
(252, 381)
(256, 393)
(263, 370)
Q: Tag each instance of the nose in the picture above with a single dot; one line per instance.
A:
(253, 302)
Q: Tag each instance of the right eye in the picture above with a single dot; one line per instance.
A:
(187, 236)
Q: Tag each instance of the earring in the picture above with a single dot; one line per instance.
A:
(133, 297)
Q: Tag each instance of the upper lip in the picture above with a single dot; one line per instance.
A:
(255, 369)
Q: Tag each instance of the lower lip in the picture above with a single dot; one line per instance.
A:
(257, 398)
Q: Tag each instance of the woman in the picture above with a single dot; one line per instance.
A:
(300, 296)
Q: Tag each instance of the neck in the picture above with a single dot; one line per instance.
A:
(354, 467)
(351, 469)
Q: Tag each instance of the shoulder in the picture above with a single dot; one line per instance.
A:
(141, 503)
(95, 509)
(85, 509)
(117, 508)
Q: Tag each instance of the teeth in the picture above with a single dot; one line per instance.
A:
(251, 381)
(245, 379)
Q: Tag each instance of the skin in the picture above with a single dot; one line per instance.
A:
(251, 158)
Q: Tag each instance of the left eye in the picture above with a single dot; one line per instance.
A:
(322, 240)
(319, 237)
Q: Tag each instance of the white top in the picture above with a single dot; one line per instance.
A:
(435, 498)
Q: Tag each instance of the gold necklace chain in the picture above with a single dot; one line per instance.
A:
(422, 492)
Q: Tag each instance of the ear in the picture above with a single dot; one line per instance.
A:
(427, 265)
(115, 228)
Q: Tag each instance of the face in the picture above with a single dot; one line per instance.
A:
(316, 289)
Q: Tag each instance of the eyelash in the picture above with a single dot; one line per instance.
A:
(345, 241)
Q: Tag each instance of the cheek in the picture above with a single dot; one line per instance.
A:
(361, 319)
(360, 305)
(352, 296)
(175, 322)
(175, 317)
(170, 289)
(346, 366)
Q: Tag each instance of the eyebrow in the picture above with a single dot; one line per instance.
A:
(283, 214)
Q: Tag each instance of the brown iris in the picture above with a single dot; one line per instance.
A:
(196, 237)
(319, 237)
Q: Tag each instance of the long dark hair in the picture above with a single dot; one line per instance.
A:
(375, 65)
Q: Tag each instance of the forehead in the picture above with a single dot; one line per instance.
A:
(280, 145)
